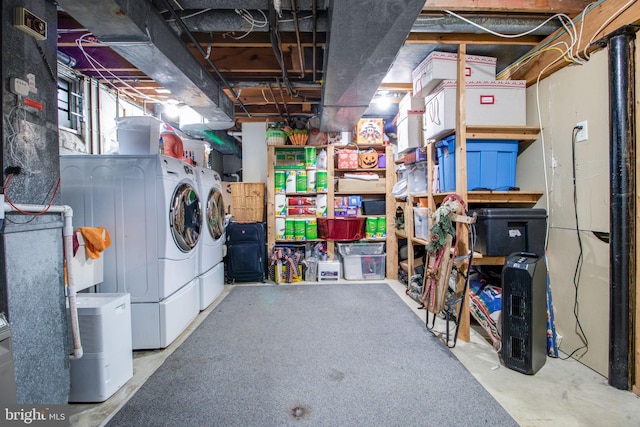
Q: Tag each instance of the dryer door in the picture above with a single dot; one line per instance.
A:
(185, 217)
(215, 213)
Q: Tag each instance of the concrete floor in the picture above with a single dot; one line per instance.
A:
(563, 393)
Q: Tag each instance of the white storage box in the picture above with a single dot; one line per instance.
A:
(105, 332)
(410, 130)
(421, 223)
(418, 178)
(328, 271)
(493, 103)
(85, 271)
(439, 66)
(138, 135)
(409, 103)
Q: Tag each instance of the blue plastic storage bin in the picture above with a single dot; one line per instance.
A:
(491, 164)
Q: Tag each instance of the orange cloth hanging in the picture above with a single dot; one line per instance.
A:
(96, 240)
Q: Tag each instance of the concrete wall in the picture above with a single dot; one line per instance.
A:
(574, 94)
(31, 285)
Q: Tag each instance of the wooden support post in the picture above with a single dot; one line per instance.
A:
(461, 185)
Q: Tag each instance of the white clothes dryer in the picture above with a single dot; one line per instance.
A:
(210, 266)
(151, 209)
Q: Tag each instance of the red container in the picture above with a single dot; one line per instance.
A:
(341, 228)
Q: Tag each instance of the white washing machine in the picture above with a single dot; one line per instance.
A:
(210, 265)
(151, 209)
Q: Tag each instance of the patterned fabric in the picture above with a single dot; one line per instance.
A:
(552, 337)
(485, 303)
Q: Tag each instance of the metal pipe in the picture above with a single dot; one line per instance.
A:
(275, 101)
(297, 30)
(204, 54)
(313, 35)
(284, 103)
(275, 44)
(621, 211)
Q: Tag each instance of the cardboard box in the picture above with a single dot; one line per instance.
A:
(492, 103)
(345, 211)
(339, 138)
(439, 66)
(370, 131)
(328, 270)
(359, 186)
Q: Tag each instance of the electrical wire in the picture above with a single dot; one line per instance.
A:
(196, 13)
(95, 64)
(12, 221)
(508, 36)
(45, 210)
(248, 17)
(604, 24)
(21, 152)
(578, 269)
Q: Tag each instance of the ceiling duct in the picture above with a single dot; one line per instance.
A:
(364, 38)
(219, 140)
(504, 25)
(220, 21)
(137, 32)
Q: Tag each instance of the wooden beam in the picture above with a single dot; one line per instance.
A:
(531, 6)
(546, 62)
(441, 38)
(461, 187)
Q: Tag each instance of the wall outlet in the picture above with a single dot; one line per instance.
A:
(582, 134)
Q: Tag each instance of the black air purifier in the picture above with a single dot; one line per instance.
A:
(524, 312)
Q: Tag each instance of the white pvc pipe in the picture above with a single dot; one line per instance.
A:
(67, 235)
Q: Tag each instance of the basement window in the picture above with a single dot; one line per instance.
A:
(70, 103)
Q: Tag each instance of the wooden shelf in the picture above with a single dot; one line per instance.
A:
(479, 259)
(385, 192)
(419, 195)
(526, 135)
(528, 198)
(298, 146)
(401, 234)
(368, 193)
(419, 241)
(361, 170)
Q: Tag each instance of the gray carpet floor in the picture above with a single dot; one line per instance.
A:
(312, 355)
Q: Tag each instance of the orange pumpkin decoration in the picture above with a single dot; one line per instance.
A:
(369, 159)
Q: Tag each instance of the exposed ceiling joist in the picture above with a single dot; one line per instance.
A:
(513, 6)
(545, 62)
(440, 38)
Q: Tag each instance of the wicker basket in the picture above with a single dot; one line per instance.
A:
(247, 199)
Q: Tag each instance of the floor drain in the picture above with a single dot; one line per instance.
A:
(298, 412)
